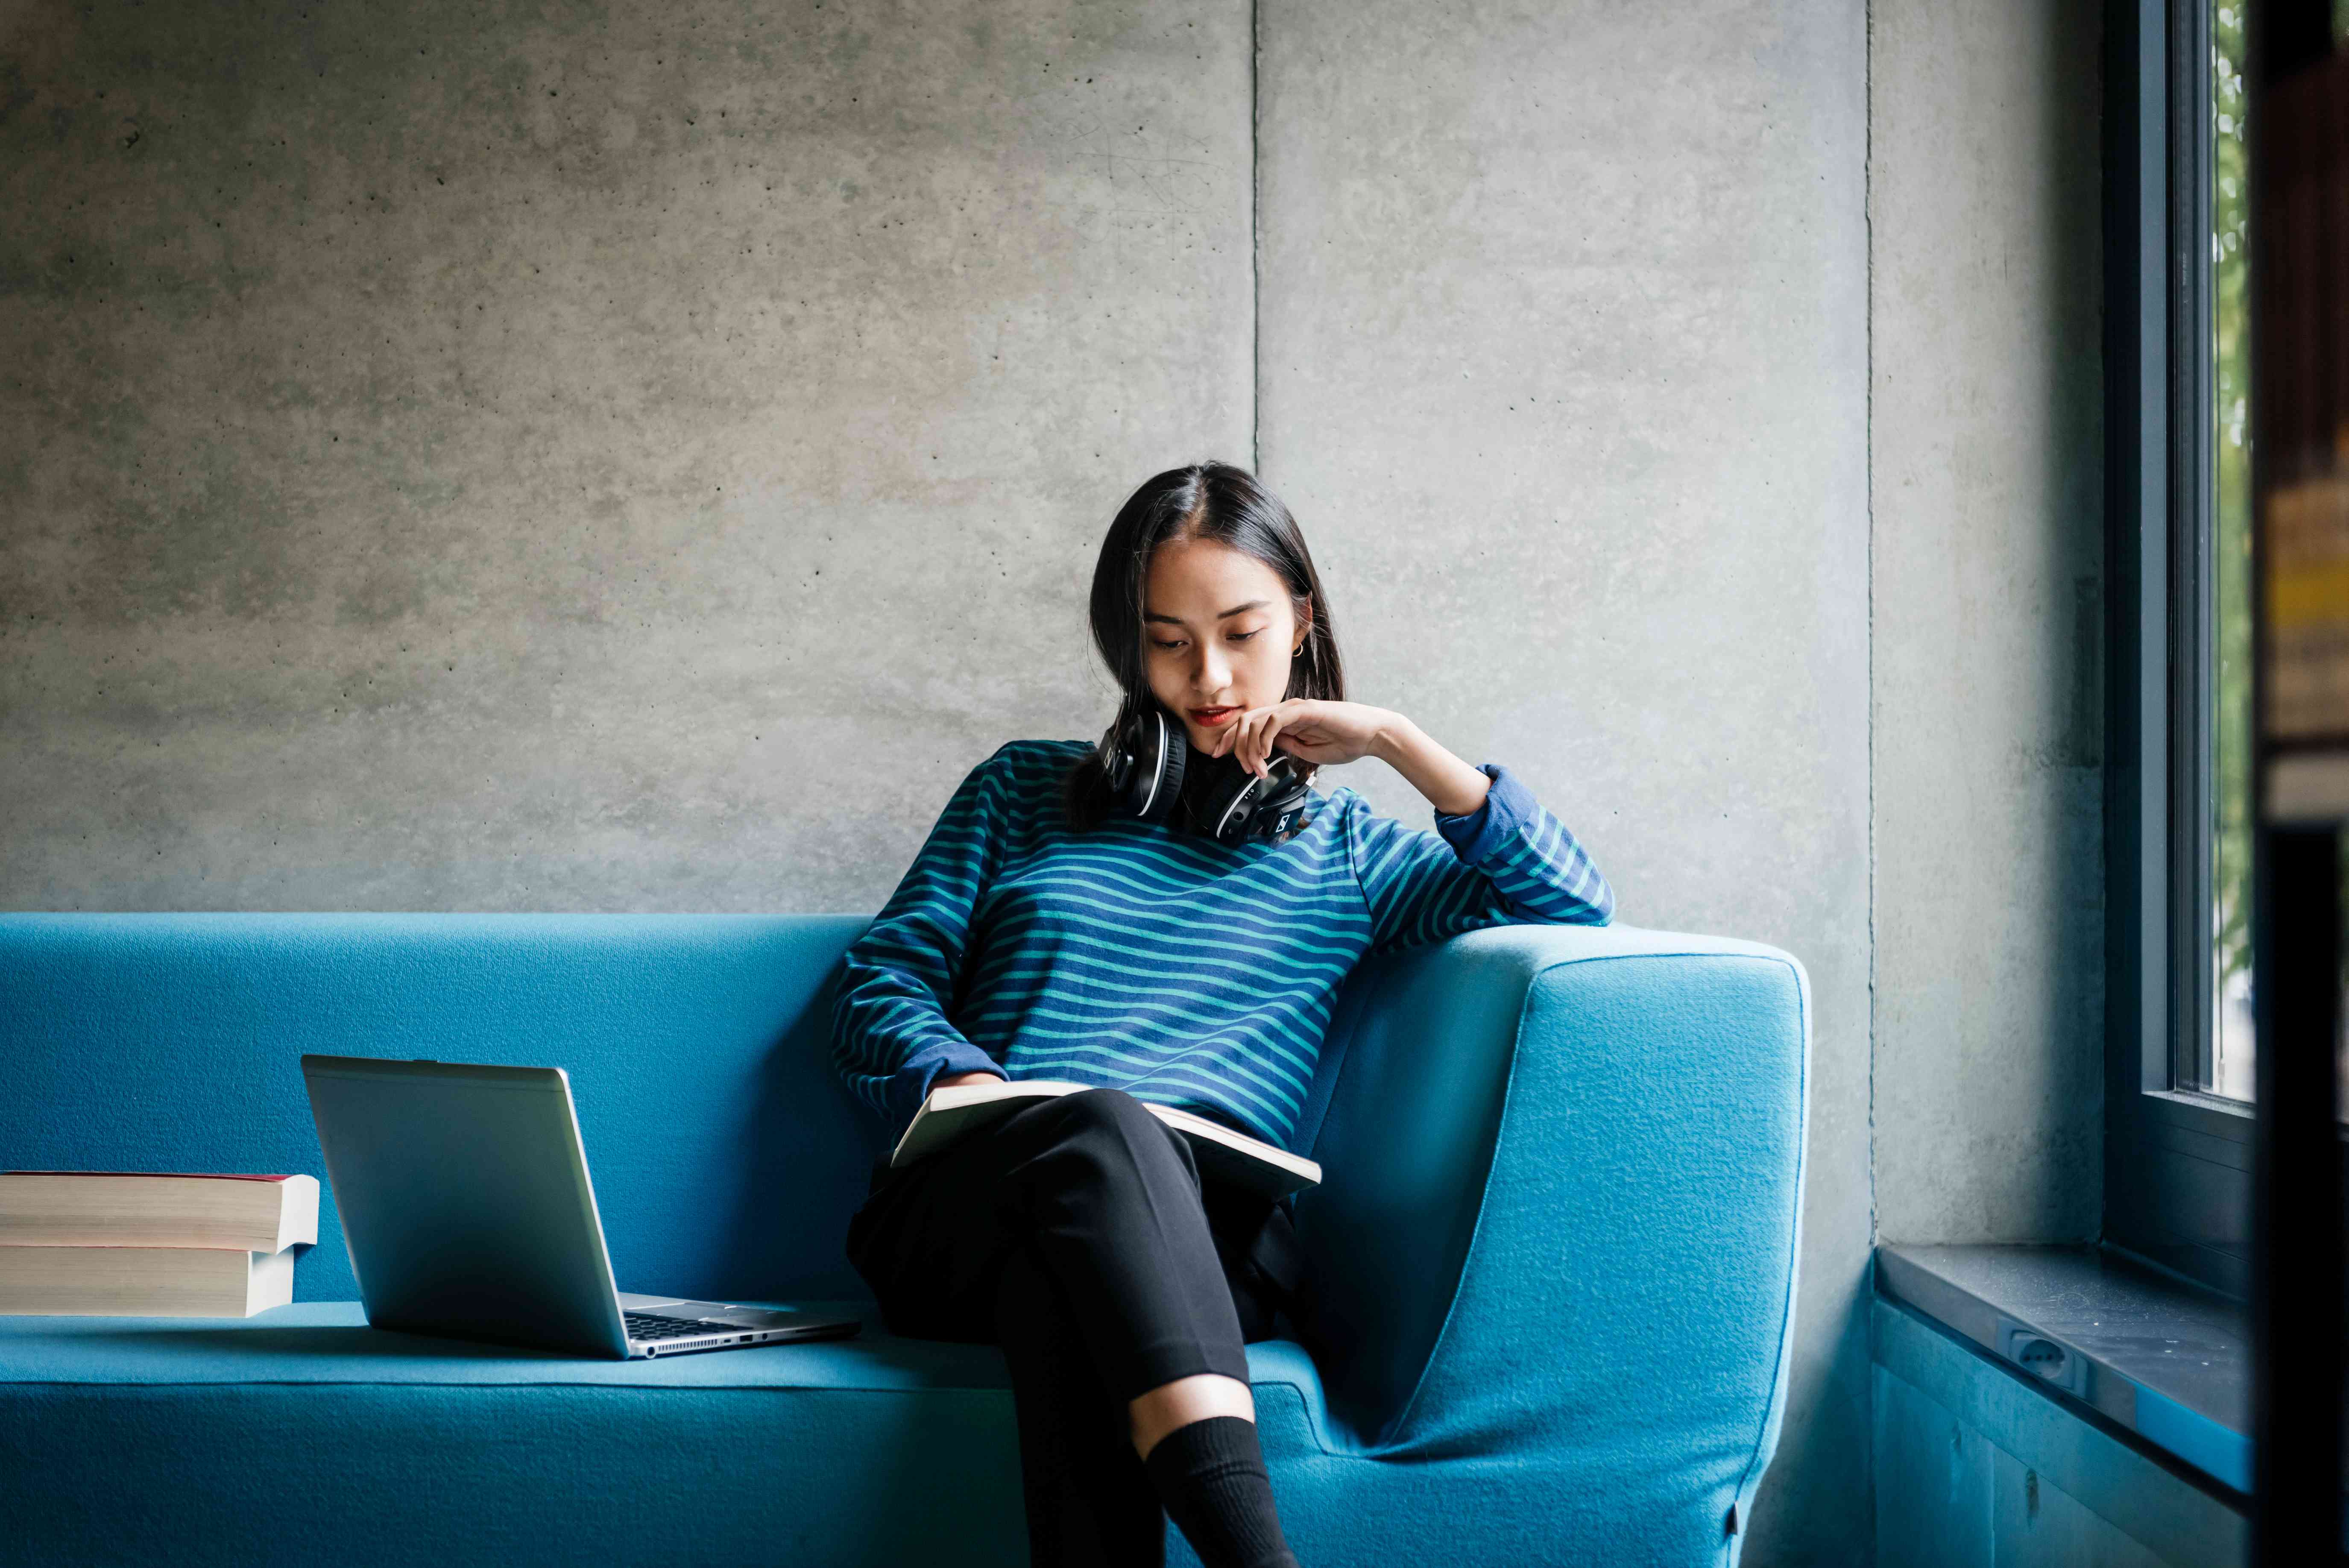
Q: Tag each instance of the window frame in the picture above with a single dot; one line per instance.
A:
(2178, 1163)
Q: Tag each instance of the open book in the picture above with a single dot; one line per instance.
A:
(1227, 1156)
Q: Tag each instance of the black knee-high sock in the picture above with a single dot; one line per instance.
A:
(1210, 1474)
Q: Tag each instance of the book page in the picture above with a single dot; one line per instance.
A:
(950, 1114)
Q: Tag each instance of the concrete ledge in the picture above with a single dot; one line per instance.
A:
(2166, 1361)
(1976, 1463)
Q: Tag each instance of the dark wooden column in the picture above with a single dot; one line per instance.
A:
(2299, 145)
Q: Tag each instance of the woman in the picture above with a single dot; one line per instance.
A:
(1046, 931)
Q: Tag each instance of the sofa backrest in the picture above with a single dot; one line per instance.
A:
(726, 1156)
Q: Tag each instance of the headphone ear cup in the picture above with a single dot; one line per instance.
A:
(1178, 747)
(1144, 766)
(1240, 806)
(1116, 761)
(1274, 807)
(1280, 806)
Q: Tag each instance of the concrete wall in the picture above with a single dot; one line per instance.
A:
(1565, 369)
(456, 460)
(637, 459)
(1987, 498)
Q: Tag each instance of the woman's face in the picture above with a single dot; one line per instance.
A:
(1217, 631)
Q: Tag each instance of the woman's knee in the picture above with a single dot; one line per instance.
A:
(1115, 1112)
(1109, 1107)
(1114, 1131)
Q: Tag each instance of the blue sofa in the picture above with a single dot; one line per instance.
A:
(1555, 1253)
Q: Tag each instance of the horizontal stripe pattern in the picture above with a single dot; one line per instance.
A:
(1166, 965)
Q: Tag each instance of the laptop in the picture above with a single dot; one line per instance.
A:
(464, 1197)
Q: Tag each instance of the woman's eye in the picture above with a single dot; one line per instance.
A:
(1244, 635)
(1156, 643)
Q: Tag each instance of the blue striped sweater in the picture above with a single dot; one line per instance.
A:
(1163, 963)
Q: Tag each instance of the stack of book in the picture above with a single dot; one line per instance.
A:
(158, 1244)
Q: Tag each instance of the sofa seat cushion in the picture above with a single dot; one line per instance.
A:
(302, 1436)
(330, 1342)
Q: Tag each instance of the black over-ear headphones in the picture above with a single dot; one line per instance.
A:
(1147, 759)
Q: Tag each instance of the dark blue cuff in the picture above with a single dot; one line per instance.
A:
(1508, 810)
(909, 1086)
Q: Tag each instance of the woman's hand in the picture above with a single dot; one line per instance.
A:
(1330, 732)
(1307, 728)
(956, 1080)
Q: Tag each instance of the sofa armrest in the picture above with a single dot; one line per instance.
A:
(1562, 1196)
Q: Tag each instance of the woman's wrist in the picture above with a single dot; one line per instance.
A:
(1452, 786)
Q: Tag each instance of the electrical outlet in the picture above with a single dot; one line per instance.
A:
(2044, 1357)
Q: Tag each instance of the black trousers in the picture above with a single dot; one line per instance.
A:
(1077, 1233)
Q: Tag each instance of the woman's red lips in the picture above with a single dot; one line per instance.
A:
(1213, 715)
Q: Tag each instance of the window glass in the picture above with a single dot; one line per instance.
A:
(2225, 1068)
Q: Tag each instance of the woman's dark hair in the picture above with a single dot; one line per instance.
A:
(1205, 501)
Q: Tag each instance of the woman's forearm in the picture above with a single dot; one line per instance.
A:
(1451, 786)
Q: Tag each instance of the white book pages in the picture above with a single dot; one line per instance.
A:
(1233, 1157)
(144, 1281)
(131, 1208)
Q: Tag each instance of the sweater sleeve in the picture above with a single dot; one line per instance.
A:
(890, 1034)
(1507, 861)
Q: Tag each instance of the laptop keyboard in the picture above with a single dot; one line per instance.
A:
(652, 1326)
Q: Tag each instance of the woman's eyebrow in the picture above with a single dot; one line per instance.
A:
(1225, 614)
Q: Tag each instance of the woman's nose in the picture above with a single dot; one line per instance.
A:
(1215, 669)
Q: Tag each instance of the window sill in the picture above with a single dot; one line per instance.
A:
(2164, 1361)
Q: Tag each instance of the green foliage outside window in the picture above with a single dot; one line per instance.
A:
(2231, 552)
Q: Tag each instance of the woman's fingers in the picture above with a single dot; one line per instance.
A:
(1250, 739)
(1275, 719)
(1244, 739)
(1237, 750)
(1271, 722)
